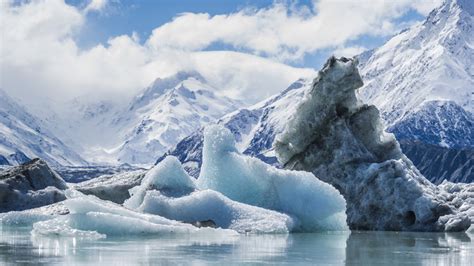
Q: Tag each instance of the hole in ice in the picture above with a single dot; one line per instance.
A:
(410, 218)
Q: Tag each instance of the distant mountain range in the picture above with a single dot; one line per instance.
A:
(166, 112)
(422, 81)
(105, 132)
(24, 137)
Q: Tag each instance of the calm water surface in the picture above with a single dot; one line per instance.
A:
(18, 246)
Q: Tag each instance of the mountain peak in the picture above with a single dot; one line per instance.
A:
(162, 85)
(430, 62)
(184, 75)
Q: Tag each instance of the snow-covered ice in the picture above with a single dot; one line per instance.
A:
(94, 218)
(167, 190)
(315, 204)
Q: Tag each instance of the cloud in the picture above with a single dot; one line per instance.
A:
(287, 32)
(96, 6)
(349, 51)
(41, 59)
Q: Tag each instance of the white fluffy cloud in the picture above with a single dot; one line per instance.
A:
(96, 5)
(287, 32)
(349, 51)
(39, 55)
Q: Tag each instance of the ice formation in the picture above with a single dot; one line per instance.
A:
(167, 190)
(461, 195)
(94, 218)
(315, 204)
(342, 142)
(111, 187)
(30, 185)
(31, 216)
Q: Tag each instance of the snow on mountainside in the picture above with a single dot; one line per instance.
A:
(426, 73)
(254, 128)
(422, 80)
(442, 123)
(167, 111)
(23, 137)
(137, 131)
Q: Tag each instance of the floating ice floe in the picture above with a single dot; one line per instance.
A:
(91, 217)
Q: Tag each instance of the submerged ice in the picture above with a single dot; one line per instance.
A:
(343, 143)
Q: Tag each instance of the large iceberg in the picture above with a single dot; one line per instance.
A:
(315, 204)
(167, 190)
(340, 140)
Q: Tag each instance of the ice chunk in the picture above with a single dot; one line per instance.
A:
(315, 204)
(343, 143)
(22, 218)
(461, 195)
(111, 187)
(168, 176)
(30, 185)
(31, 216)
(208, 205)
(167, 190)
(92, 217)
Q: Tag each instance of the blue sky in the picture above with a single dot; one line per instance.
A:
(249, 50)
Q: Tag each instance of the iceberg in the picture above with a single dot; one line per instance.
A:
(167, 190)
(342, 142)
(315, 204)
(91, 217)
(30, 185)
(111, 187)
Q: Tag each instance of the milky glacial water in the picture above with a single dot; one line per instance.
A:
(18, 246)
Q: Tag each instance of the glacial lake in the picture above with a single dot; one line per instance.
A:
(18, 246)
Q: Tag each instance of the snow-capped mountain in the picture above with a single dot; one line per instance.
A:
(24, 136)
(167, 111)
(442, 123)
(422, 79)
(254, 128)
(139, 130)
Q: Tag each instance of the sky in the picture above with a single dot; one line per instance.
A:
(55, 50)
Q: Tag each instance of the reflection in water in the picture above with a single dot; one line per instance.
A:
(337, 248)
(410, 247)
